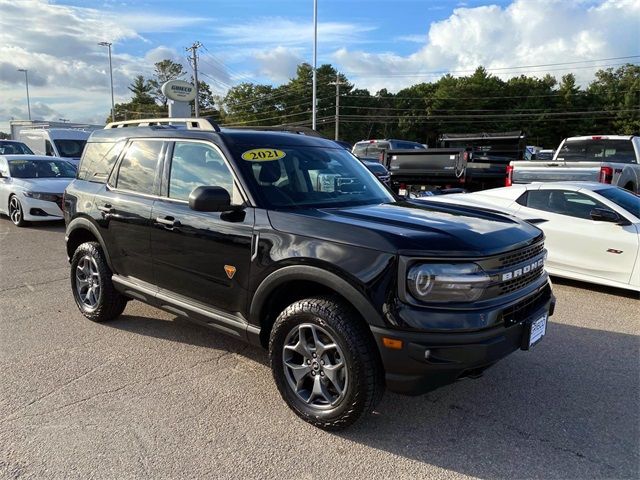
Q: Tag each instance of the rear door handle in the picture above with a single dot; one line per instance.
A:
(106, 208)
(168, 221)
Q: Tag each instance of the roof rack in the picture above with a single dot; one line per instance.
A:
(189, 123)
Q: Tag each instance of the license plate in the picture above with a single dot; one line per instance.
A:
(538, 329)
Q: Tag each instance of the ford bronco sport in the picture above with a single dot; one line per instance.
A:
(288, 242)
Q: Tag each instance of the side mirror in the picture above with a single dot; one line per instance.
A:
(606, 215)
(210, 199)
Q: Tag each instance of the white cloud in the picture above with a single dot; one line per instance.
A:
(68, 71)
(526, 32)
(272, 32)
(279, 64)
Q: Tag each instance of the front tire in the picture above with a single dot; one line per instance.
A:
(325, 363)
(16, 213)
(91, 284)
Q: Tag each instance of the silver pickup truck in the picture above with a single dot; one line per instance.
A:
(613, 159)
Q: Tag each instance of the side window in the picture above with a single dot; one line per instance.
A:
(48, 148)
(572, 204)
(195, 164)
(138, 168)
(98, 159)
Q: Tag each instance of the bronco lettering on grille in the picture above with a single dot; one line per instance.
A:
(523, 270)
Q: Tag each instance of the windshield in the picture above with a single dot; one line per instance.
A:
(624, 198)
(14, 148)
(70, 148)
(544, 155)
(315, 177)
(619, 151)
(41, 169)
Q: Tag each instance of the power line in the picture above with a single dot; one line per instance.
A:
(502, 69)
(492, 115)
(397, 97)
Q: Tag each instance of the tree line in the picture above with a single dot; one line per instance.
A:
(546, 109)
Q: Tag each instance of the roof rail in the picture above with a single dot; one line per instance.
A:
(280, 128)
(189, 123)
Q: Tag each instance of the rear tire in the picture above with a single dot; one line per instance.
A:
(325, 363)
(16, 214)
(91, 284)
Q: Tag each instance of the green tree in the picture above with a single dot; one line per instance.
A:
(164, 71)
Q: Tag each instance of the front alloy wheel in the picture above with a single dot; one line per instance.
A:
(314, 366)
(325, 362)
(15, 212)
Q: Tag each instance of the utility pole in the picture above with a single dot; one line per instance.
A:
(26, 80)
(314, 107)
(113, 104)
(194, 58)
(337, 83)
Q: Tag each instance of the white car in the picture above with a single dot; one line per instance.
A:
(31, 187)
(592, 230)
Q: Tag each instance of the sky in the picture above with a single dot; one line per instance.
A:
(376, 44)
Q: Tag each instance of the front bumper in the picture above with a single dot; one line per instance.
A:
(35, 210)
(428, 361)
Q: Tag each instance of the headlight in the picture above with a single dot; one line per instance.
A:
(446, 282)
(47, 197)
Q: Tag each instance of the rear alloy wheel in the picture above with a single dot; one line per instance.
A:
(91, 284)
(15, 212)
(325, 363)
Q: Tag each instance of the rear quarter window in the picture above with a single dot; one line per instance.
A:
(615, 151)
(98, 160)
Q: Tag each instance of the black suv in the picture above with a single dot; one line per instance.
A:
(288, 242)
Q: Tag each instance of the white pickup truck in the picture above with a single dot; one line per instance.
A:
(613, 159)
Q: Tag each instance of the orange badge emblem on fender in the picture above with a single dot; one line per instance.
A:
(230, 271)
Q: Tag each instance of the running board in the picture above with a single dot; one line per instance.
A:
(228, 323)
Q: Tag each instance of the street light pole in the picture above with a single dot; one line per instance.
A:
(26, 81)
(314, 108)
(113, 104)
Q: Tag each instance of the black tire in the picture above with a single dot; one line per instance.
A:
(16, 214)
(109, 303)
(363, 371)
(629, 186)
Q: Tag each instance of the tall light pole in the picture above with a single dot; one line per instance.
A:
(26, 81)
(314, 108)
(113, 104)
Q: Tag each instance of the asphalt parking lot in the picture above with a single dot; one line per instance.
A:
(151, 395)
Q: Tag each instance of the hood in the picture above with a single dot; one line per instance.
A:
(412, 229)
(46, 185)
(375, 167)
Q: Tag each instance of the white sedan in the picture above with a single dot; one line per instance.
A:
(592, 229)
(31, 187)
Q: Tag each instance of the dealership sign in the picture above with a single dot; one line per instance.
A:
(179, 91)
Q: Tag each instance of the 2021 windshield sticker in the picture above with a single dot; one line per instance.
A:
(263, 155)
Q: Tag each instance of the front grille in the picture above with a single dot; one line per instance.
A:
(520, 282)
(522, 255)
(525, 308)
